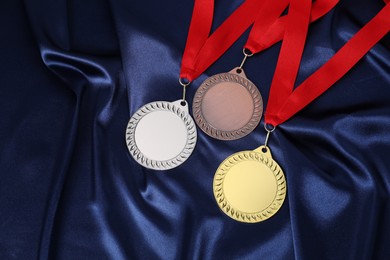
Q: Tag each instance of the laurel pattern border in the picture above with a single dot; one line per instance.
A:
(236, 214)
(207, 127)
(154, 164)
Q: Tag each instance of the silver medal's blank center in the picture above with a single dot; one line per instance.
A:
(161, 135)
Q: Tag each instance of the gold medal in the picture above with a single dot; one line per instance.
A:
(249, 186)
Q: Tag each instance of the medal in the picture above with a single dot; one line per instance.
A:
(227, 106)
(249, 186)
(161, 135)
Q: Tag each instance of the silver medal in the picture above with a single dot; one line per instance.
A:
(161, 135)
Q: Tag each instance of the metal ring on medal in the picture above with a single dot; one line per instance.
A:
(161, 135)
(249, 186)
(227, 106)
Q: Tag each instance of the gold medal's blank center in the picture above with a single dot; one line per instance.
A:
(227, 106)
(250, 186)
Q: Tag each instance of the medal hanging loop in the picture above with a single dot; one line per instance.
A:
(184, 82)
(247, 53)
(269, 129)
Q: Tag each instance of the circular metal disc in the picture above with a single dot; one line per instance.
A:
(161, 135)
(249, 186)
(227, 106)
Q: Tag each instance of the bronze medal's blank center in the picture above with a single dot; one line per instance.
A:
(227, 106)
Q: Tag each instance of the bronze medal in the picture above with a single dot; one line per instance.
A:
(227, 106)
(249, 186)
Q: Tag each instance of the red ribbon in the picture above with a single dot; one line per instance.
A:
(203, 50)
(284, 102)
(275, 33)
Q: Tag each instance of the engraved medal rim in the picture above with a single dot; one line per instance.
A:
(157, 164)
(235, 213)
(210, 130)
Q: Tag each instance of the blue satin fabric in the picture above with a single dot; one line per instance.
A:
(72, 74)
